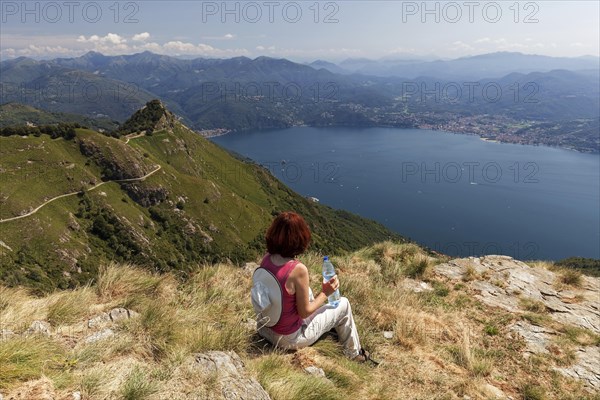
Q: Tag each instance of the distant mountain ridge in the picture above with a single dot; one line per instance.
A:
(483, 66)
(242, 93)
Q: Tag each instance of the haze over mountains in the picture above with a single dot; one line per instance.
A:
(492, 65)
(520, 91)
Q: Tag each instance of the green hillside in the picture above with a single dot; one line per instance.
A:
(198, 203)
(13, 114)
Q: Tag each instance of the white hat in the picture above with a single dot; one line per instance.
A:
(266, 297)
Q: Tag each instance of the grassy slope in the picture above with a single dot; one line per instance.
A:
(216, 207)
(446, 344)
(12, 114)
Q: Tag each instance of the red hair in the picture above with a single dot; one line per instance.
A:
(288, 235)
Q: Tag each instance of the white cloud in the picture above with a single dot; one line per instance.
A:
(152, 46)
(110, 38)
(179, 47)
(36, 51)
(227, 36)
(461, 46)
(141, 37)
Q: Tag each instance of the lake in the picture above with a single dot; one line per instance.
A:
(454, 193)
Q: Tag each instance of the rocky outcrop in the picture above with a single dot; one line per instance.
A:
(145, 195)
(501, 281)
(587, 367)
(114, 315)
(150, 118)
(232, 378)
(315, 371)
(116, 161)
(39, 328)
(103, 334)
(537, 338)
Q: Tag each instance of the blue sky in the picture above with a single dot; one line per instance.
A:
(302, 30)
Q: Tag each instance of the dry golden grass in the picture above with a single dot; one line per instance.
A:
(70, 306)
(445, 344)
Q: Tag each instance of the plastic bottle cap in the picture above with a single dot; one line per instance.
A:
(326, 258)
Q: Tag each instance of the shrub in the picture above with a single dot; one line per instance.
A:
(532, 392)
(417, 267)
(490, 330)
(571, 277)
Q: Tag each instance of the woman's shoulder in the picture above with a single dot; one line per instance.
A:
(299, 268)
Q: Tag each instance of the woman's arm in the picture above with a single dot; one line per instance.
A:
(300, 279)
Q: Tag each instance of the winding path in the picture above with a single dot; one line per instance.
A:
(129, 137)
(88, 190)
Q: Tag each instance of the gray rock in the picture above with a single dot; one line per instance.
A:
(103, 334)
(232, 378)
(114, 315)
(117, 314)
(312, 370)
(587, 367)
(76, 396)
(535, 336)
(39, 328)
(98, 320)
(388, 334)
(501, 281)
(416, 286)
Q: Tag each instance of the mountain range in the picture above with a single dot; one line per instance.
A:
(242, 93)
(484, 66)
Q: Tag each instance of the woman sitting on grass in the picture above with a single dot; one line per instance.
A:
(304, 319)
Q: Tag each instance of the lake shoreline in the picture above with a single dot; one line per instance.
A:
(422, 185)
(223, 131)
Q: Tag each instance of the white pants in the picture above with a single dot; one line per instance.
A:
(319, 323)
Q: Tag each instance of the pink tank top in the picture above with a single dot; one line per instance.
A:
(290, 320)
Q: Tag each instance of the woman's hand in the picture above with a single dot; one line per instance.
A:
(331, 286)
(299, 277)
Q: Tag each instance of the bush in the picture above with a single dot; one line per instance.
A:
(490, 330)
(417, 267)
(571, 277)
(64, 130)
(588, 266)
(532, 392)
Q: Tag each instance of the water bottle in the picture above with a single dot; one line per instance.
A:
(328, 273)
